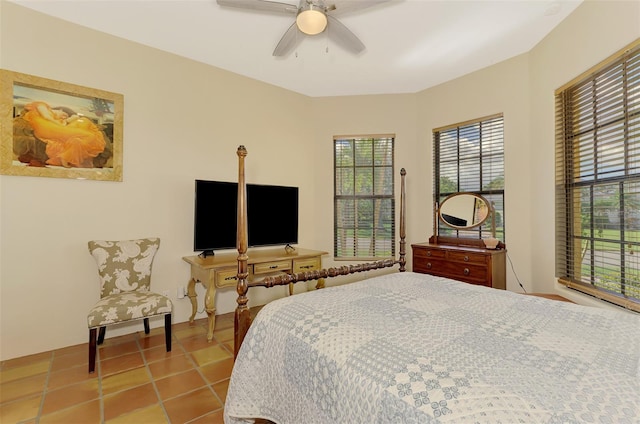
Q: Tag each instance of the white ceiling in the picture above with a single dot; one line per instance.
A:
(411, 44)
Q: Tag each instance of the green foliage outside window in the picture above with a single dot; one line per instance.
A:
(364, 206)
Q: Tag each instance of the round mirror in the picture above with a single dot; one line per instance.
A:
(464, 210)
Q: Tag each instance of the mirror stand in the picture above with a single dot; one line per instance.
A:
(464, 211)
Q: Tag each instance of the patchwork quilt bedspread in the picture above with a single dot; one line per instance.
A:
(413, 348)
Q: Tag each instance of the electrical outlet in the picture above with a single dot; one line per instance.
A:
(165, 293)
(181, 292)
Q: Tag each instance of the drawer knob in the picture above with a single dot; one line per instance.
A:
(466, 271)
(466, 258)
(428, 265)
(428, 253)
(273, 266)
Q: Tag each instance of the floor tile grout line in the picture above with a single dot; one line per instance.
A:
(153, 381)
(139, 350)
(97, 376)
(203, 415)
(206, 381)
(209, 385)
(196, 367)
(63, 409)
(44, 389)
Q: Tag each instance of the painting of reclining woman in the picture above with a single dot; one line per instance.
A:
(62, 133)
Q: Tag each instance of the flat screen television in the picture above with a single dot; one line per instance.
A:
(215, 219)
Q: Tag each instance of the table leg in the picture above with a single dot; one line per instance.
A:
(191, 294)
(210, 307)
(320, 283)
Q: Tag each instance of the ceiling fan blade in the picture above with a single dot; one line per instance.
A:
(263, 5)
(288, 41)
(347, 6)
(342, 36)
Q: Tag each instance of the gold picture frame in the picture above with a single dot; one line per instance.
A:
(55, 129)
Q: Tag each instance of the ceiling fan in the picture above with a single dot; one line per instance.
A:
(312, 17)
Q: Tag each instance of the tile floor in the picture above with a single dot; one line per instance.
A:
(136, 380)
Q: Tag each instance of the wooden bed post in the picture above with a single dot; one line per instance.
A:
(402, 260)
(242, 319)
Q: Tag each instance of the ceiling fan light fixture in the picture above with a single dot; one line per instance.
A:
(311, 21)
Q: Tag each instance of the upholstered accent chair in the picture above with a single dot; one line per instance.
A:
(124, 268)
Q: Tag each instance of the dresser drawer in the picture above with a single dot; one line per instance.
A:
(303, 265)
(429, 253)
(226, 277)
(268, 267)
(472, 258)
(476, 274)
(470, 273)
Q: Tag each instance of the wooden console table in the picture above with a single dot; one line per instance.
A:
(219, 271)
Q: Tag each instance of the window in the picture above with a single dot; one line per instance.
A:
(364, 203)
(598, 181)
(469, 157)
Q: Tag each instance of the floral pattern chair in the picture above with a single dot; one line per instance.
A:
(125, 279)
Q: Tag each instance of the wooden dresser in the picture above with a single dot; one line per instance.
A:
(471, 264)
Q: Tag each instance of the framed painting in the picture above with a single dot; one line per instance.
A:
(54, 129)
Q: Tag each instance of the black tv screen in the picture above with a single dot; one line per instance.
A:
(215, 220)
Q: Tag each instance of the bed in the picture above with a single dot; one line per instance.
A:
(413, 348)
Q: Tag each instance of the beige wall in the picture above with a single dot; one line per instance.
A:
(502, 88)
(184, 120)
(523, 89)
(362, 115)
(595, 31)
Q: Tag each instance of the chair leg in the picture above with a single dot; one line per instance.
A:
(167, 331)
(92, 350)
(146, 326)
(103, 330)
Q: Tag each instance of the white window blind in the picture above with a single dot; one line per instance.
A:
(598, 181)
(364, 203)
(469, 157)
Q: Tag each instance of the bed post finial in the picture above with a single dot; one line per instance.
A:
(242, 315)
(403, 211)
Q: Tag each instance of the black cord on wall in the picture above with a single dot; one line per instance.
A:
(514, 273)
